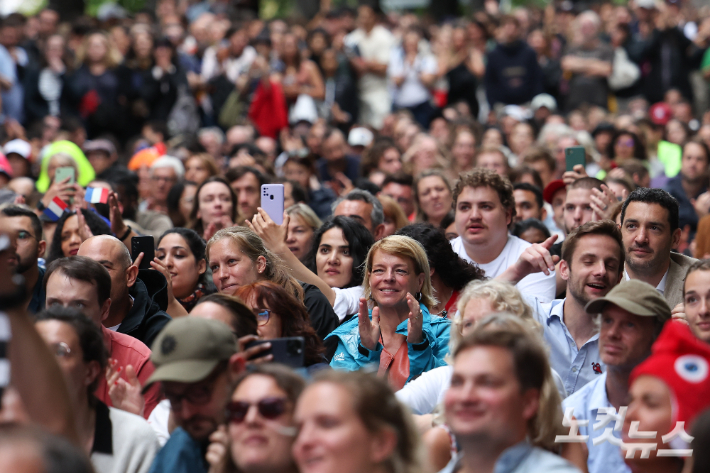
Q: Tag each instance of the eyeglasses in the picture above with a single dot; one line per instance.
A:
(61, 350)
(196, 395)
(262, 316)
(269, 408)
(163, 179)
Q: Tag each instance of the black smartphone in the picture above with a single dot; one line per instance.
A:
(575, 155)
(289, 351)
(145, 245)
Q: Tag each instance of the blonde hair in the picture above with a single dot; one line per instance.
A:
(378, 409)
(403, 247)
(113, 57)
(306, 213)
(252, 246)
(394, 211)
(531, 368)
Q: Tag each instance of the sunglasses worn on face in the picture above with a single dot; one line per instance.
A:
(269, 408)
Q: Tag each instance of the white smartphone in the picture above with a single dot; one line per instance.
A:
(272, 201)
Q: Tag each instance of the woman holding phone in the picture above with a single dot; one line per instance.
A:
(334, 263)
(394, 328)
(238, 257)
(279, 315)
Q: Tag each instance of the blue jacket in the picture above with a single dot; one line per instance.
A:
(429, 354)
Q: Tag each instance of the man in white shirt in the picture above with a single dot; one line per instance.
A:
(485, 207)
(375, 44)
(649, 226)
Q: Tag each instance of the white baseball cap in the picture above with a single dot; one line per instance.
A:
(21, 147)
(360, 136)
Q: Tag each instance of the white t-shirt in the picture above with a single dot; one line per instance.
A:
(423, 394)
(538, 285)
(158, 421)
(347, 301)
(412, 92)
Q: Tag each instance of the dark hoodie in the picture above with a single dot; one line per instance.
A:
(513, 75)
(147, 316)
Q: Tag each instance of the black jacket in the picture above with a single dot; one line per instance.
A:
(513, 75)
(147, 317)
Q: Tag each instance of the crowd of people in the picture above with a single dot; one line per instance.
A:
(494, 252)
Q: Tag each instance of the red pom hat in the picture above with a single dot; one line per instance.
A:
(682, 361)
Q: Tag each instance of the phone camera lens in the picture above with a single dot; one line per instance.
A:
(272, 197)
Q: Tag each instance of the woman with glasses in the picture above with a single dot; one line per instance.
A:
(260, 428)
(278, 315)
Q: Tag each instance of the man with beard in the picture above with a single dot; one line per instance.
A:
(649, 226)
(592, 264)
(631, 317)
(28, 237)
(690, 183)
(197, 362)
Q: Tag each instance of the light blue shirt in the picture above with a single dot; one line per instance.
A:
(604, 457)
(574, 365)
(522, 458)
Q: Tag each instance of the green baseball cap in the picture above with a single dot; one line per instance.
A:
(636, 297)
(188, 349)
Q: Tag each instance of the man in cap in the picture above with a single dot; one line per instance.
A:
(197, 361)
(18, 153)
(631, 317)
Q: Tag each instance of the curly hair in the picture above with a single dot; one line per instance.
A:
(295, 321)
(487, 178)
(453, 271)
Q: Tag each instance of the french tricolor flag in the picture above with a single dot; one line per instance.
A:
(55, 209)
(96, 195)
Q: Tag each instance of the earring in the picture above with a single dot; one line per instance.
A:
(419, 296)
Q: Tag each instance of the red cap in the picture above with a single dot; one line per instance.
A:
(682, 361)
(551, 189)
(661, 113)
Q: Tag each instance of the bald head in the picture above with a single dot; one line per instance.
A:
(115, 257)
(106, 248)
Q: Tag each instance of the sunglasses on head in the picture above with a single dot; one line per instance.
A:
(269, 408)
